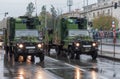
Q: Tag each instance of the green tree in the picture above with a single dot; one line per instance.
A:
(30, 9)
(46, 23)
(104, 22)
(42, 15)
(54, 15)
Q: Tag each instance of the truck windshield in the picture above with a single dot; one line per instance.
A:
(23, 33)
(27, 35)
(78, 32)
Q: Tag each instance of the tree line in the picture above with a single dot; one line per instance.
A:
(48, 19)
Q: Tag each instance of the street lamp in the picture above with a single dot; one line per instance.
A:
(36, 6)
(6, 13)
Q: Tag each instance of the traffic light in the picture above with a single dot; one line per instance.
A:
(90, 24)
(115, 5)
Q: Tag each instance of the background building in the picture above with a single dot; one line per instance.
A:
(102, 7)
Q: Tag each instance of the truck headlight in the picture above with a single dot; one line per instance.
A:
(77, 44)
(39, 45)
(20, 45)
(94, 44)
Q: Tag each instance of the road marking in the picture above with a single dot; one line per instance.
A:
(52, 59)
(72, 66)
(65, 64)
(59, 68)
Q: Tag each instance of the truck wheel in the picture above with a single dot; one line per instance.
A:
(24, 58)
(58, 51)
(48, 51)
(94, 55)
(41, 57)
(71, 53)
(32, 58)
(16, 58)
(77, 56)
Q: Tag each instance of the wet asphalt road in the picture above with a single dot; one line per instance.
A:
(59, 68)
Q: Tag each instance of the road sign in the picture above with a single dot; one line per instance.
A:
(114, 32)
(113, 26)
(113, 22)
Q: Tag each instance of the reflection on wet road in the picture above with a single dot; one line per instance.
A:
(59, 68)
(24, 70)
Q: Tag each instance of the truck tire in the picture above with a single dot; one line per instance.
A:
(41, 57)
(32, 58)
(58, 50)
(71, 53)
(48, 51)
(16, 58)
(94, 55)
(77, 56)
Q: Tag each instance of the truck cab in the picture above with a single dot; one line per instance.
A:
(72, 37)
(26, 43)
(82, 43)
(22, 38)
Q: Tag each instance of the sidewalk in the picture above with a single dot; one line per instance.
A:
(109, 55)
(107, 52)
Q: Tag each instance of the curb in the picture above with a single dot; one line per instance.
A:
(117, 44)
(108, 57)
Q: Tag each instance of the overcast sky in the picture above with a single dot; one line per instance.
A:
(18, 7)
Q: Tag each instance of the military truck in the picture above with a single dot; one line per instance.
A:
(69, 36)
(82, 44)
(21, 36)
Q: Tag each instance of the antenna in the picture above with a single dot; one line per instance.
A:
(69, 4)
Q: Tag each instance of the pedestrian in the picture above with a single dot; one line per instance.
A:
(6, 50)
(10, 49)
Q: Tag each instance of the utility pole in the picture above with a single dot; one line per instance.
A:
(69, 4)
(87, 16)
(36, 6)
(85, 2)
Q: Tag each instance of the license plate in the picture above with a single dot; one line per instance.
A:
(87, 50)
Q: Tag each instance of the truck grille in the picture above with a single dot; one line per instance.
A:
(30, 44)
(86, 43)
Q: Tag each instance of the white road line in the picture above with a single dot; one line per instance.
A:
(101, 77)
(52, 59)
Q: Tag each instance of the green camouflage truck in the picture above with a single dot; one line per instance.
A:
(70, 35)
(21, 36)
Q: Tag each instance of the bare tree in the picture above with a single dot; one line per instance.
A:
(30, 9)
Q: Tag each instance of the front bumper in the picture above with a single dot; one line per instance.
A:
(29, 51)
(85, 49)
